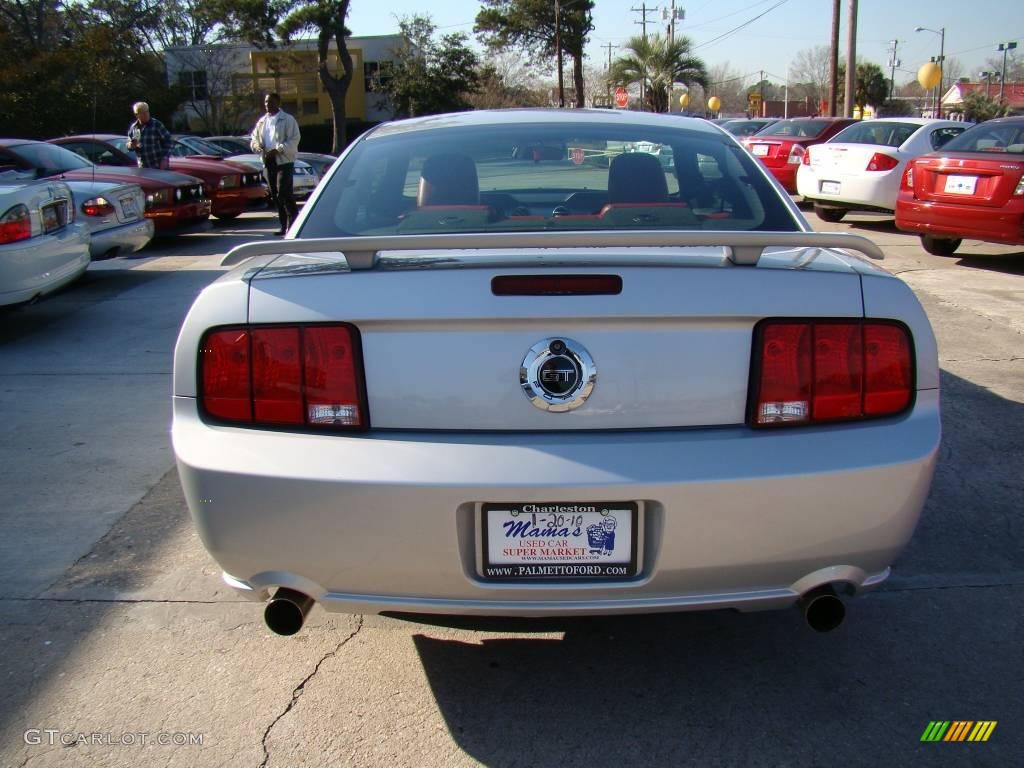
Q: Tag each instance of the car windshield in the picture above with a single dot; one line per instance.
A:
(202, 146)
(990, 137)
(745, 127)
(804, 129)
(882, 133)
(544, 177)
(49, 159)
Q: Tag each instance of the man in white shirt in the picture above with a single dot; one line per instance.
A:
(276, 139)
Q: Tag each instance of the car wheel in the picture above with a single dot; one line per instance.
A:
(829, 214)
(940, 246)
(228, 216)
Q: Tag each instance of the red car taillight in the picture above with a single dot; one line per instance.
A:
(907, 183)
(15, 225)
(797, 154)
(291, 375)
(812, 371)
(882, 162)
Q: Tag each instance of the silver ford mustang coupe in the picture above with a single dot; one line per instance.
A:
(510, 363)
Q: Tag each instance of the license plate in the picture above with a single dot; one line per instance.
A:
(830, 187)
(54, 216)
(560, 541)
(759, 150)
(128, 208)
(961, 185)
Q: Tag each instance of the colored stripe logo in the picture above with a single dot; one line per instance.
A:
(959, 730)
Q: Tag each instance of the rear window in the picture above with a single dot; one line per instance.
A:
(804, 129)
(546, 177)
(998, 137)
(883, 134)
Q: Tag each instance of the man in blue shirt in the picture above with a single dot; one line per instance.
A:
(149, 139)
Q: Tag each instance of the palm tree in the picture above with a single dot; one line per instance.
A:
(657, 63)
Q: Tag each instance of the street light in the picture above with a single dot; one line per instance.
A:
(1004, 47)
(988, 82)
(941, 60)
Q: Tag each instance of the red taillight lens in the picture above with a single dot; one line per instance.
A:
(908, 179)
(797, 154)
(819, 371)
(882, 162)
(97, 206)
(15, 225)
(296, 375)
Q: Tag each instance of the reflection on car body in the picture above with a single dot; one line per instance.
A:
(472, 381)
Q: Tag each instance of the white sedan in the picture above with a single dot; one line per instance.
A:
(42, 247)
(860, 168)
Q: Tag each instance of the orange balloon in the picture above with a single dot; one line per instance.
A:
(684, 100)
(929, 75)
(714, 103)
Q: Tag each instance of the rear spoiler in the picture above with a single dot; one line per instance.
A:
(743, 248)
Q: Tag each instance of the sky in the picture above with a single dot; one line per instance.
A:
(974, 28)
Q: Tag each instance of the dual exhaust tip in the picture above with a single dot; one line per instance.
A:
(287, 610)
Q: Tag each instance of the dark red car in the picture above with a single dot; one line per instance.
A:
(173, 200)
(781, 146)
(233, 187)
(973, 187)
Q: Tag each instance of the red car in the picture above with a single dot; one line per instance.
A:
(233, 187)
(781, 146)
(173, 200)
(973, 187)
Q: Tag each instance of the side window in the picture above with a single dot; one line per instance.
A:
(180, 150)
(708, 167)
(80, 149)
(940, 136)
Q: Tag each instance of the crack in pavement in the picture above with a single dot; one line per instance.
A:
(300, 689)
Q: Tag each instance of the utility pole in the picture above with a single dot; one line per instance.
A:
(558, 48)
(833, 64)
(643, 10)
(851, 59)
(608, 70)
(893, 63)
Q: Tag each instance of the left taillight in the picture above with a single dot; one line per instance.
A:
(97, 206)
(814, 371)
(907, 182)
(882, 162)
(15, 225)
(304, 376)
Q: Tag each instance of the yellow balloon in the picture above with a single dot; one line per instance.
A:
(684, 100)
(714, 103)
(929, 75)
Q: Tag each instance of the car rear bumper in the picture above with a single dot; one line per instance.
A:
(42, 264)
(1002, 225)
(875, 192)
(786, 174)
(390, 521)
(126, 238)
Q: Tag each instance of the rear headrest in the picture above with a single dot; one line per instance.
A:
(448, 180)
(636, 177)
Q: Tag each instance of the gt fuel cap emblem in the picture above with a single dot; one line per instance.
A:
(557, 374)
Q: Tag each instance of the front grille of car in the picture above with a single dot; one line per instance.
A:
(190, 194)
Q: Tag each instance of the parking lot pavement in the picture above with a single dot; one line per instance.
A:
(121, 625)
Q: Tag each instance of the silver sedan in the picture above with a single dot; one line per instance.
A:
(481, 380)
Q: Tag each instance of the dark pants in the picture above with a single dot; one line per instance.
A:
(279, 177)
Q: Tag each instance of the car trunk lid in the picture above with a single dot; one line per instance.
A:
(442, 351)
(967, 177)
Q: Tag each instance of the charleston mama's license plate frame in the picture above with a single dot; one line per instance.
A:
(559, 541)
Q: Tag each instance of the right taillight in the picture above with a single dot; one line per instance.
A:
(797, 155)
(303, 376)
(1020, 187)
(813, 371)
(15, 225)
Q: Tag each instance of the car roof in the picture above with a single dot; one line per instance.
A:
(506, 117)
(97, 136)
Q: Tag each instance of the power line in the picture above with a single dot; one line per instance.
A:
(732, 31)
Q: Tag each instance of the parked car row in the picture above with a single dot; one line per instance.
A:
(75, 199)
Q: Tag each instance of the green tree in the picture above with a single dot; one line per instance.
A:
(430, 76)
(978, 107)
(266, 23)
(872, 86)
(657, 63)
(530, 25)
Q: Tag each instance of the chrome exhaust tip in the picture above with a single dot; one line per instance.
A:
(823, 610)
(287, 610)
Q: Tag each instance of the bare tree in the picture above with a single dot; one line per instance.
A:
(809, 75)
(205, 76)
(728, 84)
(1014, 67)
